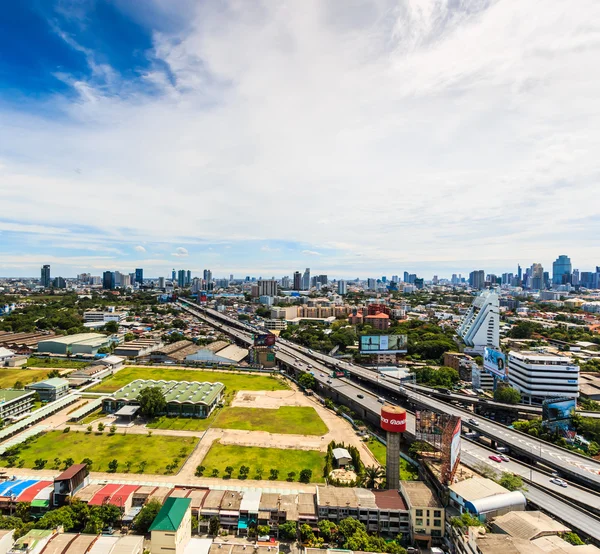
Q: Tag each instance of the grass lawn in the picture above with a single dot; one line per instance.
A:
(90, 418)
(156, 451)
(220, 456)
(8, 377)
(232, 380)
(286, 419)
(407, 471)
(54, 363)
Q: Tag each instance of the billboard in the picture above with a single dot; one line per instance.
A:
(475, 378)
(393, 419)
(383, 344)
(264, 340)
(557, 413)
(455, 448)
(429, 426)
(494, 362)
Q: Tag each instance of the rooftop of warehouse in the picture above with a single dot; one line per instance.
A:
(72, 339)
(477, 488)
(6, 395)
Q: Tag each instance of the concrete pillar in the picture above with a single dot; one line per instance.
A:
(392, 461)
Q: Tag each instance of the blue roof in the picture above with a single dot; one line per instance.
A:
(20, 486)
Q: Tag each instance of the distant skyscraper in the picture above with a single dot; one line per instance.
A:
(173, 276)
(341, 287)
(285, 282)
(477, 279)
(297, 280)
(405, 279)
(181, 278)
(561, 270)
(45, 276)
(188, 277)
(59, 283)
(537, 277)
(108, 280)
(139, 276)
(519, 273)
(371, 284)
(161, 282)
(575, 278)
(306, 279)
(267, 287)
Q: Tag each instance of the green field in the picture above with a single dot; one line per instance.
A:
(8, 377)
(220, 456)
(285, 420)
(232, 380)
(156, 451)
(97, 414)
(54, 363)
(407, 471)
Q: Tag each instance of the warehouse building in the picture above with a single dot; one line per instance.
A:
(82, 343)
(183, 398)
(14, 403)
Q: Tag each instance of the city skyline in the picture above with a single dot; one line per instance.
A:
(436, 138)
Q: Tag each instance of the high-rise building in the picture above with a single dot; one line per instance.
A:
(575, 278)
(519, 273)
(285, 282)
(405, 279)
(561, 270)
(539, 375)
(297, 280)
(322, 279)
(371, 284)
(59, 283)
(181, 275)
(537, 277)
(267, 287)
(161, 282)
(481, 325)
(173, 276)
(139, 276)
(188, 277)
(341, 287)
(207, 277)
(477, 279)
(306, 279)
(45, 276)
(108, 280)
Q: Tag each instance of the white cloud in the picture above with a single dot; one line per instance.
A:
(180, 252)
(267, 248)
(311, 253)
(424, 130)
(140, 248)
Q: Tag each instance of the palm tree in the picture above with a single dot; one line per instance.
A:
(371, 475)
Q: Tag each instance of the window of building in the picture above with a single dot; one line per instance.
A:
(419, 513)
(436, 533)
(419, 521)
(437, 513)
(437, 522)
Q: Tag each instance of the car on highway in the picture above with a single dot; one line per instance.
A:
(495, 458)
(504, 457)
(473, 422)
(360, 396)
(329, 381)
(559, 482)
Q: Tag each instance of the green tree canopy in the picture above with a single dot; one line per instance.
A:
(144, 519)
(152, 402)
(507, 395)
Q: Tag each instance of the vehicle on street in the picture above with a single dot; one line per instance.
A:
(473, 422)
(504, 457)
(559, 482)
(495, 458)
(360, 396)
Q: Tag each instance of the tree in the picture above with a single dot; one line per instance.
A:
(144, 519)
(111, 327)
(214, 525)
(274, 474)
(305, 475)
(88, 462)
(89, 429)
(572, 538)
(328, 530)
(507, 395)
(179, 324)
(151, 401)
(18, 385)
(52, 374)
(129, 337)
(229, 471)
(307, 381)
(306, 532)
(62, 516)
(40, 463)
(215, 472)
(288, 530)
(112, 466)
(101, 427)
(113, 429)
(349, 526)
(68, 462)
(371, 476)
(291, 476)
(511, 481)
(465, 520)
(199, 471)
(419, 446)
(263, 530)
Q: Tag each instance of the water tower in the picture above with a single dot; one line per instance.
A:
(393, 420)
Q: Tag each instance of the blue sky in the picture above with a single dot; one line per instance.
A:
(355, 137)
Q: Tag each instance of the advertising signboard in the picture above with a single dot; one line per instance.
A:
(475, 378)
(494, 362)
(264, 340)
(384, 344)
(557, 413)
(393, 419)
(455, 447)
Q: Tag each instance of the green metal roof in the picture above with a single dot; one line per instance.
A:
(40, 503)
(6, 395)
(171, 514)
(173, 391)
